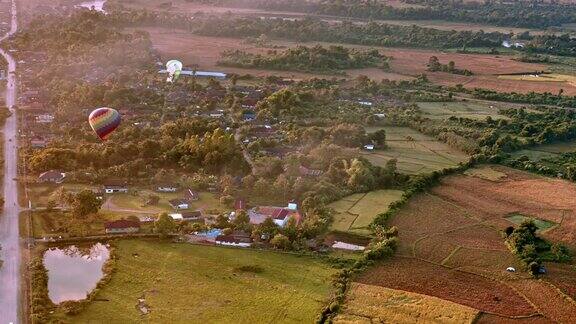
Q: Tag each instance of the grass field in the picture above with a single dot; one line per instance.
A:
(375, 304)
(355, 212)
(467, 109)
(540, 223)
(136, 200)
(486, 173)
(540, 152)
(184, 283)
(415, 152)
(41, 193)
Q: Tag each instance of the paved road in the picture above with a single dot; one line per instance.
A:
(10, 271)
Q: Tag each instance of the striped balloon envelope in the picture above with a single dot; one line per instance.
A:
(104, 121)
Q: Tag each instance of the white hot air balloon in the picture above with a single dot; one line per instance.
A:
(174, 67)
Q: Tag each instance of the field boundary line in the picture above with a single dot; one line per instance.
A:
(456, 249)
(357, 215)
(464, 210)
(558, 290)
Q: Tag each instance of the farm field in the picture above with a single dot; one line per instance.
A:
(451, 244)
(547, 150)
(183, 283)
(542, 225)
(405, 63)
(415, 152)
(460, 287)
(355, 212)
(547, 77)
(466, 109)
(367, 303)
(520, 192)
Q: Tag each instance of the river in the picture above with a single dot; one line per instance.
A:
(9, 239)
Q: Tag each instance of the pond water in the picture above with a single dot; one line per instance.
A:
(73, 272)
(97, 4)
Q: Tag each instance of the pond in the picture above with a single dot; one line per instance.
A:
(98, 5)
(73, 272)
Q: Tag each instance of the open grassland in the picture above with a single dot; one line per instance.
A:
(375, 304)
(184, 283)
(466, 109)
(415, 152)
(355, 212)
(463, 288)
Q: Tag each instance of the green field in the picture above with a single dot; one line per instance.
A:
(415, 152)
(136, 200)
(540, 152)
(540, 223)
(355, 212)
(468, 109)
(485, 172)
(40, 193)
(184, 283)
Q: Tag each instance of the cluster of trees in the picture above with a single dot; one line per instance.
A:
(332, 59)
(534, 98)
(531, 249)
(372, 33)
(434, 65)
(536, 14)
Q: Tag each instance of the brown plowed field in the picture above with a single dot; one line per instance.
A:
(460, 287)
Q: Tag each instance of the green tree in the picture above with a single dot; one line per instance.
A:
(164, 225)
(84, 203)
(242, 221)
(280, 241)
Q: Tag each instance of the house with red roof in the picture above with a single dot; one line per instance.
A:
(122, 226)
(280, 215)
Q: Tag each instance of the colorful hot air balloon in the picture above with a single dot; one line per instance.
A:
(104, 121)
(174, 67)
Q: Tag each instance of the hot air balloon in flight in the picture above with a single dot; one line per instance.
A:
(174, 67)
(104, 121)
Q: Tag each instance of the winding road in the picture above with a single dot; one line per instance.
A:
(9, 237)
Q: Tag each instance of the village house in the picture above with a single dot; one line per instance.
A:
(238, 239)
(115, 187)
(189, 216)
(192, 195)
(122, 226)
(44, 118)
(239, 204)
(53, 176)
(38, 142)
(179, 204)
(280, 215)
(167, 187)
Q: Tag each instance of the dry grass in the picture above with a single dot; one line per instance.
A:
(379, 304)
